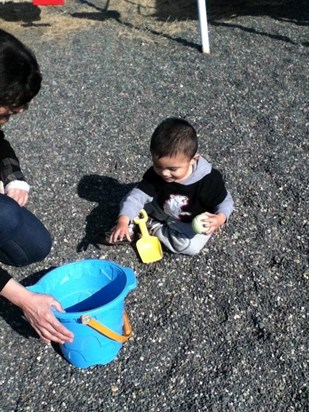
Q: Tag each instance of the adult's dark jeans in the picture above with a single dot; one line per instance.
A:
(23, 238)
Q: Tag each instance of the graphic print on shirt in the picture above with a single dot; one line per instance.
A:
(174, 204)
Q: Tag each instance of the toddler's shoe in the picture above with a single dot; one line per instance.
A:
(153, 225)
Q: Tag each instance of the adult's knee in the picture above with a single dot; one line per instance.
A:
(43, 248)
(35, 251)
(10, 218)
(40, 246)
(23, 237)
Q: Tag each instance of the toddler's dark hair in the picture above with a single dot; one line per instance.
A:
(174, 136)
(20, 77)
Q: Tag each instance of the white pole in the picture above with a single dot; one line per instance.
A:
(203, 25)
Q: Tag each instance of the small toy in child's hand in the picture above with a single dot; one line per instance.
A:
(198, 224)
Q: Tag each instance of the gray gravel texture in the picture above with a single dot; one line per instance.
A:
(223, 331)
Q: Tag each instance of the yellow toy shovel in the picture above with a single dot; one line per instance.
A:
(148, 247)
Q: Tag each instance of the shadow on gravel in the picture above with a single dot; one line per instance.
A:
(217, 10)
(260, 33)
(13, 315)
(107, 192)
(102, 14)
(24, 12)
(293, 11)
(296, 12)
(288, 10)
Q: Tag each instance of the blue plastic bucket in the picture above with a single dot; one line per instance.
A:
(89, 289)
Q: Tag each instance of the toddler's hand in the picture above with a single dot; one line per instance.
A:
(213, 222)
(121, 231)
(19, 195)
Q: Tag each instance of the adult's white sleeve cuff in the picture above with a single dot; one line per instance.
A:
(17, 184)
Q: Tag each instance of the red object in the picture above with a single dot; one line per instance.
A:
(48, 2)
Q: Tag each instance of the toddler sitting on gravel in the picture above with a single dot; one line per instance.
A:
(180, 185)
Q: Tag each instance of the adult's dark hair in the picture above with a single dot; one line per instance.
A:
(174, 136)
(20, 77)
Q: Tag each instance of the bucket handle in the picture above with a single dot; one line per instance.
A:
(88, 320)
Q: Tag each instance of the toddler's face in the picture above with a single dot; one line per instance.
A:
(174, 169)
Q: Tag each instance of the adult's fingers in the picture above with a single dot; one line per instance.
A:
(56, 332)
(20, 196)
(51, 329)
(38, 312)
(57, 305)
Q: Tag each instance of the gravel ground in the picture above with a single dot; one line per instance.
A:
(223, 331)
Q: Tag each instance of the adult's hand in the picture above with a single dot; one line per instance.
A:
(37, 309)
(19, 195)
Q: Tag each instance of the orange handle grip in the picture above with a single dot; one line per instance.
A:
(99, 327)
